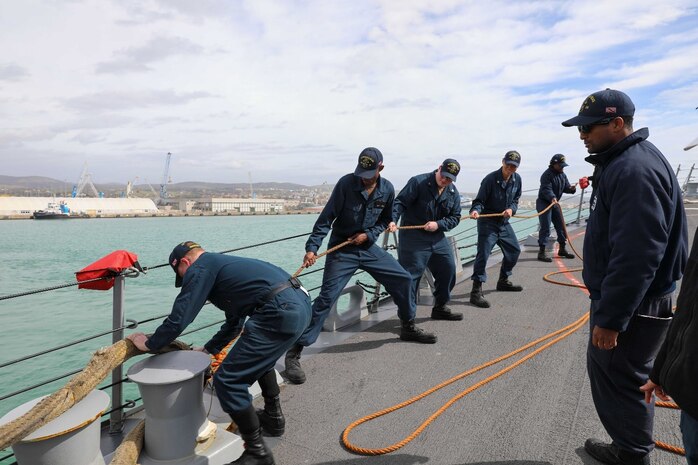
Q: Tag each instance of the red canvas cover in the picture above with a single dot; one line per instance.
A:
(110, 265)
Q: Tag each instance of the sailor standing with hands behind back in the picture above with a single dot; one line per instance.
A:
(634, 252)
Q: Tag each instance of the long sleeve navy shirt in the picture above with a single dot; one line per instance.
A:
(496, 194)
(236, 285)
(636, 239)
(420, 202)
(553, 184)
(351, 210)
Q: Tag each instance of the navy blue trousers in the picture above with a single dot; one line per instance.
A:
(489, 233)
(269, 332)
(616, 375)
(416, 256)
(339, 268)
(544, 220)
(689, 432)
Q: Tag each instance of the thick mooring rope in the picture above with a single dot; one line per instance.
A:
(130, 448)
(102, 363)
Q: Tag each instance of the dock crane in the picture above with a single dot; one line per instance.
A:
(163, 184)
(249, 178)
(85, 180)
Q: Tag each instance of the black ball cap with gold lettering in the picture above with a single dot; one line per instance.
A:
(608, 103)
(512, 157)
(370, 159)
(178, 254)
(559, 158)
(450, 169)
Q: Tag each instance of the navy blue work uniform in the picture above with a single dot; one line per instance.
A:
(242, 288)
(635, 249)
(495, 196)
(552, 185)
(351, 210)
(418, 203)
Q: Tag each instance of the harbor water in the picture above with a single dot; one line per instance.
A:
(39, 254)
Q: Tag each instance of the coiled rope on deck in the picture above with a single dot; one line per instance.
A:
(557, 335)
(560, 333)
(566, 331)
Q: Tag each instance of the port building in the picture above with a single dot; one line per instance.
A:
(23, 207)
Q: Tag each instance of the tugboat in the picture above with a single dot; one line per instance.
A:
(54, 211)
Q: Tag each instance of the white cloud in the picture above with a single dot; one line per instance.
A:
(292, 91)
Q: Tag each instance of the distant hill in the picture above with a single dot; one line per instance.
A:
(40, 185)
(29, 181)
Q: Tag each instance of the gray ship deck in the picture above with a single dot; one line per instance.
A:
(538, 414)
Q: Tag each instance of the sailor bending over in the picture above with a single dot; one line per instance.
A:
(277, 309)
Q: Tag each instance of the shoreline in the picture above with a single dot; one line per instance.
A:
(164, 214)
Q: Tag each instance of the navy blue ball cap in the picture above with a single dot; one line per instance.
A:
(450, 169)
(512, 157)
(178, 254)
(600, 105)
(559, 158)
(370, 159)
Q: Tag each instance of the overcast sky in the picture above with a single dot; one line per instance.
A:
(292, 91)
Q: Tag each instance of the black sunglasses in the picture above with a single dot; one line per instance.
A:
(586, 128)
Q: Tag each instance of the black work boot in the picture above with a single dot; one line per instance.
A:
(505, 285)
(294, 373)
(271, 417)
(562, 252)
(614, 455)
(543, 256)
(256, 451)
(409, 332)
(476, 297)
(442, 312)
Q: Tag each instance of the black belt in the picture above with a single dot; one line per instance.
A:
(291, 282)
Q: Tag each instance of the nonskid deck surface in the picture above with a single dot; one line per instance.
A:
(538, 414)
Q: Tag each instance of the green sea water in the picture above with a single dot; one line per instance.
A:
(39, 254)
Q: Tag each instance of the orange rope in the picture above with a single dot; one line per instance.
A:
(557, 335)
(492, 215)
(217, 359)
(563, 333)
(669, 448)
(328, 251)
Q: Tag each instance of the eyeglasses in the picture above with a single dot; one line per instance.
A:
(586, 128)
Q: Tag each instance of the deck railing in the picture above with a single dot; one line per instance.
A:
(120, 323)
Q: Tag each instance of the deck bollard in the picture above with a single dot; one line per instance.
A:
(171, 386)
(71, 439)
(355, 311)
